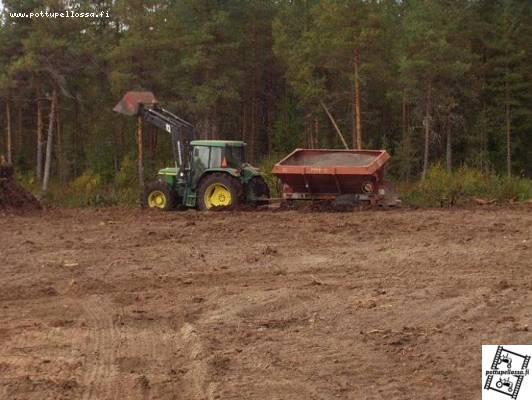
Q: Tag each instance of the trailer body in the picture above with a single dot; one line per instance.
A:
(321, 174)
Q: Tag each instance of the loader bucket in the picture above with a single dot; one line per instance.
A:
(129, 105)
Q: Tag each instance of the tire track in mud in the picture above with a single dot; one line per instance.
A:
(108, 346)
(103, 343)
(200, 387)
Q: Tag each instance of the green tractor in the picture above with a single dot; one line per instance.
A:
(208, 174)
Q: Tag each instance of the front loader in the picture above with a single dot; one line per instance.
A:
(207, 174)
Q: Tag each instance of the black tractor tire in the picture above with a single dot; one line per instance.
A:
(163, 191)
(258, 187)
(226, 180)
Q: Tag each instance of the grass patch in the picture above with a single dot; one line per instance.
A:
(443, 188)
(88, 190)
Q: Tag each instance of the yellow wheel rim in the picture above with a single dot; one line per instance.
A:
(217, 195)
(157, 199)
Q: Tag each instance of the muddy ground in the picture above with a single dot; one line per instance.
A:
(130, 304)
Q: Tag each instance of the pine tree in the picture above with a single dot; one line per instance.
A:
(434, 61)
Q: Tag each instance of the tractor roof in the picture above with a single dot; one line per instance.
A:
(218, 143)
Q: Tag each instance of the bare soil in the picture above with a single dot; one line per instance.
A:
(131, 304)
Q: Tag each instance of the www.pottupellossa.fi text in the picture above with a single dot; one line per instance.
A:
(62, 14)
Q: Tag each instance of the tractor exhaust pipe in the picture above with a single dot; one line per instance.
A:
(130, 103)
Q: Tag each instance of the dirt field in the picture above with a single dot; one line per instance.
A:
(127, 304)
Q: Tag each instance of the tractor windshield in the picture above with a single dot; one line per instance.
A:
(234, 156)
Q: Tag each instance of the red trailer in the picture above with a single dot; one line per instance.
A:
(316, 174)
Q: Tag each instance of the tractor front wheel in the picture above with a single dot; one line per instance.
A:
(219, 192)
(158, 195)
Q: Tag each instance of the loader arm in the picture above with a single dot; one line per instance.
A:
(181, 131)
(145, 105)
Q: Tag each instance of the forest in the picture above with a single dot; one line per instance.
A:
(434, 82)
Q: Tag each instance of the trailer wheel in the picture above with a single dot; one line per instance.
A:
(219, 192)
(158, 195)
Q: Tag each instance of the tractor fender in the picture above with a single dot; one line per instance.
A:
(229, 171)
(226, 171)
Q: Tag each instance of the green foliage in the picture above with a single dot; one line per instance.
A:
(266, 165)
(287, 128)
(87, 183)
(443, 188)
(126, 177)
(88, 191)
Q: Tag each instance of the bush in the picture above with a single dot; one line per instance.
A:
(441, 187)
(266, 166)
(87, 183)
(88, 191)
(126, 177)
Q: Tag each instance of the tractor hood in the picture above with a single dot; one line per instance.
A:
(169, 171)
(249, 171)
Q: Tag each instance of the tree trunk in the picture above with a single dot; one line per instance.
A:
(49, 143)
(38, 166)
(427, 123)
(449, 150)
(116, 147)
(254, 90)
(483, 138)
(252, 135)
(61, 170)
(140, 156)
(9, 137)
(357, 124)
(244, 121)
(316, 132)
(77, 137)
(406, 139)
(508, 140)
(307, 134)
(19, 140)
(215, 128)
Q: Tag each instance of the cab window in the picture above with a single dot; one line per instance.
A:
(201, 157)
(216, 157)
(234, 156)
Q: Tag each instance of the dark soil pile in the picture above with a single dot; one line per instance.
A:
(12, 195)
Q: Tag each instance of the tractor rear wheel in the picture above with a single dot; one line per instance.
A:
(219, 192)
(158, 195)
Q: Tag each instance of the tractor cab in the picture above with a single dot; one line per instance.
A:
(213, 155)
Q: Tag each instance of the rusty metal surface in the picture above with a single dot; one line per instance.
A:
(325, 174)
(129, 105)
(331, 171)
(331, 162)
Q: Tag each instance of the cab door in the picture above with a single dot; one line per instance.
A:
(204, 158)
(199, 162)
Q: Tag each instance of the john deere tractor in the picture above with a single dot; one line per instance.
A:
(208, 174)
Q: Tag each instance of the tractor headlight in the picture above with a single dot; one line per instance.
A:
(382, 192)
